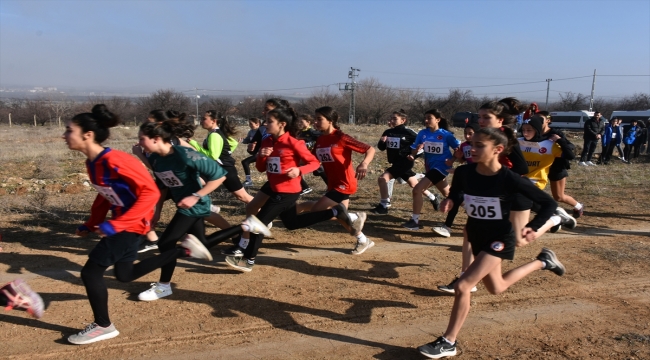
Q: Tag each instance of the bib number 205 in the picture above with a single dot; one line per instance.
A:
(485, 208)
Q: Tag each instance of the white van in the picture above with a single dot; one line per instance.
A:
(570, 119)
(628, 116)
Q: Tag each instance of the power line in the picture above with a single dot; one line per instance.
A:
(267, 90)
(445, 76)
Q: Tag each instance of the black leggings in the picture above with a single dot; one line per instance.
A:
(627, 151)
(284, 205)
(451, 215)
(246, 163)
(92, 274)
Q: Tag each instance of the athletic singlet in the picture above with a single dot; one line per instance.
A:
(334, 151)
(539, 157)
(436, 148)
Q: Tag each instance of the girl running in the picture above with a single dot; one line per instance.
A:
(309, 135)
(436, 140)
(180, 170)
(334, 150)
(489, 189)
(280, 156)
(219, 146)
(253, 124)
(126, 188)
(463, 155)
(397, 141)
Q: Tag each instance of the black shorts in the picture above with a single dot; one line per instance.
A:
(121, 247)
(266, 189)
(435, 176)
(232, 182)
(401, 171)
(503, 248)
(557, 175)
(336, 196)
(521, 203)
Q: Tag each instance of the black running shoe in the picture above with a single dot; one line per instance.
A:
(548, 257)
(379, 210)
(233, 251)
(411, 225)
(578, 213)
(435, 202)
(555, 228)
(146, 245)
(567, 220)
(438, 349)
(450, 287)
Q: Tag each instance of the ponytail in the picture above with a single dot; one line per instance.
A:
(443, 123)
(506, 109)
(168, 129)
(99, 120)
(330, 114)
(287, 116)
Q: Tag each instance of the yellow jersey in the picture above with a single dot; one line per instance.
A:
(539, 157)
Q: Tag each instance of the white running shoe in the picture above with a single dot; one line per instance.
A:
(215, 209)
(442, 231)
(256, 227)
(567, 220)
(93, 333)
(361, 248)
(582, 163)
(156, 292)
(196, 248)
(590, 163)
(357, 226)
(269, 225)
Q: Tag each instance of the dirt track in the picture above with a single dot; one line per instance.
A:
(306, 298)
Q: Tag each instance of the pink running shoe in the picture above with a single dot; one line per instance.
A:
(21, 296)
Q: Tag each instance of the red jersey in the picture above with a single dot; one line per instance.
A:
(287, 153)
(125, 187)
(334, 151)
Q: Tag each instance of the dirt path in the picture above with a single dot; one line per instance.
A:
(306, 299)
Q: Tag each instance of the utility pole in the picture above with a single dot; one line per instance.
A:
(196, 92)
(351, 86)
(548, 88)
(593, 87)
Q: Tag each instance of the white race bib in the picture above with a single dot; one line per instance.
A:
(392, 142)
(528, 146)
(467, 152)
(169, 178)
(485, 208)
(109, 194)
(273, 165)
(324, 154)
(433, 147)
(613, 135)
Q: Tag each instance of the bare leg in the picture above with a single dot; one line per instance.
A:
(382, 181)
(243, 195)
(217, 220)
(417, 195)
(468, 257)
(557, 189)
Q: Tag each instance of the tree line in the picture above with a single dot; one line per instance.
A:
(374, 104)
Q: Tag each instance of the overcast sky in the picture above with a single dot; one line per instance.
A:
(266, 45)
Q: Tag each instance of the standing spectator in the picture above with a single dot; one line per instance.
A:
(607, 143)
(629, 139)
(640, 138)
(647, 138)
(617, 137)
(594, 129)
(532, 110)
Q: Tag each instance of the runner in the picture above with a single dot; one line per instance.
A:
(219, 146)
(463, 155)
(280, 156)
(489, 189)
(126, 188)
(180, 171)
(334, 150)
(18, 295)
(253, 124)
(436, 140)
(397, 141)
(309, 135)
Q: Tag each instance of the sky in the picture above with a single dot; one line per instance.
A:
(252, 46)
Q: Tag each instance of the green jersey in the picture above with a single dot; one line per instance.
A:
(181, 171)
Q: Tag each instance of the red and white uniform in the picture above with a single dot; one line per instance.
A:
(334, 151)
(287, 153)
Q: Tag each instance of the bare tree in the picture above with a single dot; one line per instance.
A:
(223, 105)
(165, 99)
(570, 101)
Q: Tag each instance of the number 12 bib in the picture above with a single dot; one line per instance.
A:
(484, 208)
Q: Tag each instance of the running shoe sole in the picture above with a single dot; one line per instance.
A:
(196, 248)
(107, 336)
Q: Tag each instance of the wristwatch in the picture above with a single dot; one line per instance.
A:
(197, 195)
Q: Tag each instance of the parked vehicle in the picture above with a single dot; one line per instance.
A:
(571, 119)
(458, 120)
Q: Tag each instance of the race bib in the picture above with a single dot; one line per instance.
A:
(392, 142)
(324, 154)
(433, 147)
(484, 208)
(613, 135)
(467, 152)
(528, 146)
(273, 165)
(109, 194)
(169, 178)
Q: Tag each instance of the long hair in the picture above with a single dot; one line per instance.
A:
(99, 120)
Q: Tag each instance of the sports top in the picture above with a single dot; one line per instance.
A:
(179, 172)
(217, 147)
(126, 188)
(539, 158)
(287, 152)
(334, 151)
(398, 143)
(436, 148)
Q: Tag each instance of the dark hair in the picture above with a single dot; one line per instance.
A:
(278, 103)
(175, 115)
(226, 127)
(158, 115)
(506, 109)
(641, 124)
(497, 137)
(401, 113)
(443, 124)
(306, 117)
(473, 126)
(330, 114)
(98, 120)
(254, 120)
(287, 116)
(167, 129)
(544, 113)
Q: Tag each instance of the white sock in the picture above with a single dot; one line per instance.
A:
(165, 285)
(429, 195)
(362, 239)
(447, 341)
(243, 242)
(353, 217)
(416, 218)
(334, 212)
(578, 206)
(556, 220)
(384, 202)
(543, 264)
(245, 227)
(390, 187)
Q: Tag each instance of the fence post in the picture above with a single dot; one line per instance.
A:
(9, 119)
(34, 120)
(59, 121)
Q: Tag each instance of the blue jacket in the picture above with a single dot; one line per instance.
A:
(630, 136)
(607, 135)
(618, 130)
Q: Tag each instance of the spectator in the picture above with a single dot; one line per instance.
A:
(532, 110)
(629, 139)
(647, 149)
(594, 129)
(640, 139)
(617, 137)
(607, 142)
